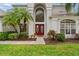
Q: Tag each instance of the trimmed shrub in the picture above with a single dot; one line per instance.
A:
(77, 36)
(4, 35)
(11, 32)
(51, 34)
(1, 36)
(60, 36)
(23, 34)
(13, 36)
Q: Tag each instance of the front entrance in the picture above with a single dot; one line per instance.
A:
(39, 29)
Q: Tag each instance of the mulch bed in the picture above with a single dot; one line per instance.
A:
(28, 39)
(53, 41)
(72, 40)
(50, 41)
(22, 39)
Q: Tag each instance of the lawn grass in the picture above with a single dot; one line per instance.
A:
(64, 49)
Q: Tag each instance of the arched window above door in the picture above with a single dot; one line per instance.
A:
(39, 15)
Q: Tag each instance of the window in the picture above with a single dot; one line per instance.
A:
(37, 28)
(39, 15)
(68, 26)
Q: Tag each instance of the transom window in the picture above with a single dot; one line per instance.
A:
(68, 26)
(39, 15)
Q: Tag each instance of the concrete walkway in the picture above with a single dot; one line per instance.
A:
(39, 40)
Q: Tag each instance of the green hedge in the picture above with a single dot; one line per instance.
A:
(13, 36)
(60, 36)
(23, 34)
(4, 35)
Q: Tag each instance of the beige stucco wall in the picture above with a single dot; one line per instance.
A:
(58, 10)
(50, 24)
(1, 27)
(55, 24)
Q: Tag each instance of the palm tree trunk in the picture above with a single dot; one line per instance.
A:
(24, 25)
(14, 28)
(19, 28)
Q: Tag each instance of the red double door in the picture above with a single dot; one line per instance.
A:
(39, 29)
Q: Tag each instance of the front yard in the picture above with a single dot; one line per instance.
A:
(62, 49)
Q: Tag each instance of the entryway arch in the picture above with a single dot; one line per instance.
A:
(40, 15)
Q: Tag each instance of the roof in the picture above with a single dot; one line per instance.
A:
(19, 5)
(2, 13)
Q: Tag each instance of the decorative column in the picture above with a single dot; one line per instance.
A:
(1, 27)
(49, 14)
(31, 23)
(77, 26)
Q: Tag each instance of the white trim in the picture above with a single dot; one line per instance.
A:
(70, 35)
(61, 19)
(77, 28)
(35, 12)
(40, 22)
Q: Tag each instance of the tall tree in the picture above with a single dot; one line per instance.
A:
(16, 15)
(68, 7)
(25, 16)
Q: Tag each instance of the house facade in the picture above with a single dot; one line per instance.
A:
(49, 16)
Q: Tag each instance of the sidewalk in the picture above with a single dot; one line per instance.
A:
(39, 40)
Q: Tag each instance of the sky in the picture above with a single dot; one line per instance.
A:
(5, 7)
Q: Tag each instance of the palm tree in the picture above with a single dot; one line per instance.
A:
(25, 16)
(8, 19)
(68, 7)
(16, 15)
